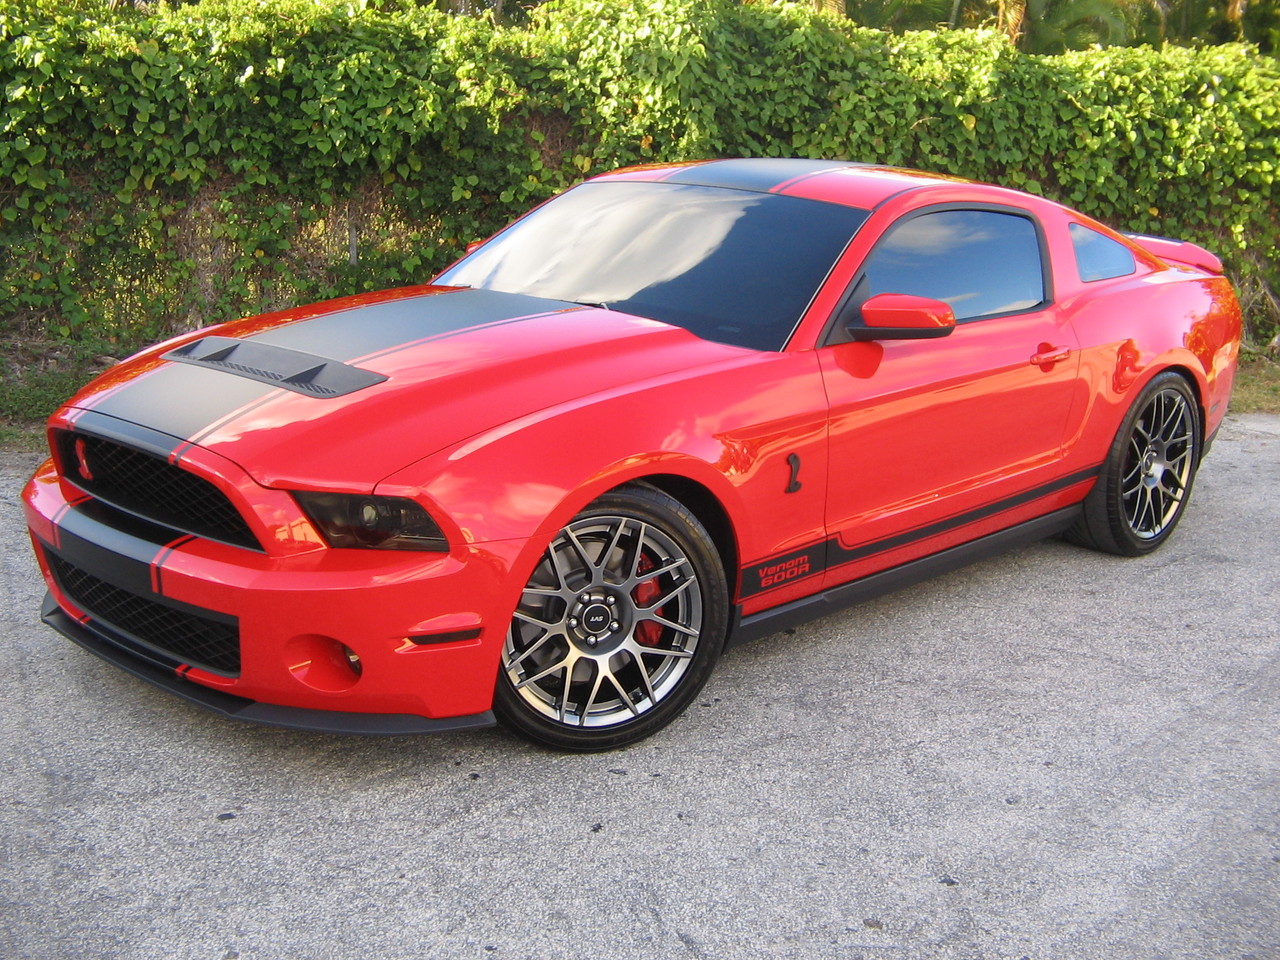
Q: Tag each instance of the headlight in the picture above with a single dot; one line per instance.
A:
(384, 523)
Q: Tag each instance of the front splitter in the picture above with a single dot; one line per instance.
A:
(251, 711)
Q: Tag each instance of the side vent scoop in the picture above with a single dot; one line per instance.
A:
(294, 370)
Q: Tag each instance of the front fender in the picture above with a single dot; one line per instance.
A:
(729, 429)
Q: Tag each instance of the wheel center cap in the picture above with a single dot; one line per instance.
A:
(597, 623)
(596, 617)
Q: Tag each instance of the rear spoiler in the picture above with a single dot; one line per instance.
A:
(1179, 251)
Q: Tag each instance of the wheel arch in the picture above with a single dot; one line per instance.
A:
(693, 481)
(680, 481)
(549, 700)
(1197, 388)
(1122, 396)
(1123, 518)
(711, 513)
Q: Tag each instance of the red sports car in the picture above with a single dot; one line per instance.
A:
(673, 408)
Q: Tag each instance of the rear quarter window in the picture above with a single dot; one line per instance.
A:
(1099, 257)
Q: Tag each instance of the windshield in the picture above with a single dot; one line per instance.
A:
(728, 265)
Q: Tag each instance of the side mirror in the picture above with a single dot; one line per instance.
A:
(902, 316)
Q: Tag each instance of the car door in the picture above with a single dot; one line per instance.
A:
(934, 442)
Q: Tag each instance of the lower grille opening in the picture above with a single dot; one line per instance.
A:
(202, 641)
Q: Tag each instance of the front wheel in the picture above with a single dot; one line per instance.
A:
(618, 627)
(1144, 485)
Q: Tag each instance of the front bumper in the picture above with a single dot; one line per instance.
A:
(238, 708)
(423, 631)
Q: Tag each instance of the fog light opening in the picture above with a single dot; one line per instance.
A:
(322, 663)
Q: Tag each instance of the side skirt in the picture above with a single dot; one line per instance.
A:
(895, 578)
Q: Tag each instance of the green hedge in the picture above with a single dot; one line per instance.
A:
(212, 160)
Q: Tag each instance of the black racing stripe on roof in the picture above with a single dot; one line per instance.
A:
(761, 175)
(378, 327)
(898, 193)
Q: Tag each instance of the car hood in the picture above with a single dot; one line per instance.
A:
(342, 394)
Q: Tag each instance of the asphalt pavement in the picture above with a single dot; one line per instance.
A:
(1052, 754)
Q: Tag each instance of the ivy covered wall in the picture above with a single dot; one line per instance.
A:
(219, 158)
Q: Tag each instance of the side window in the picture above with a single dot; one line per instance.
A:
(980, 262)
(1099, 257)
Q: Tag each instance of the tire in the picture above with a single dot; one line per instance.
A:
(618, 627)
(1145, 482)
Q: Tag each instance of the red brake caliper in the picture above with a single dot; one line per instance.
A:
(648, 633)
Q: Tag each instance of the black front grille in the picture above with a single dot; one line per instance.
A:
(212, 644)
(150, 487)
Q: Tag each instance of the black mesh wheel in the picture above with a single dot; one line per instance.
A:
(1145, 483)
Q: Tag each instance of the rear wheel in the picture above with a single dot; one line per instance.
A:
(1144, 485)
(618, 627)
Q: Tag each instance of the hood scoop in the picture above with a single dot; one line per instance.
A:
(294, 370)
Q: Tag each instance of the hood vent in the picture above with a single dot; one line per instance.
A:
(294, 370)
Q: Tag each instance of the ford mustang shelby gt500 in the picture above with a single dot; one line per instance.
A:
(672, 408)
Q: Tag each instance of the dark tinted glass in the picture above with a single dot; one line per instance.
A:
(1099, 257)
(981, 263)
(728, 265)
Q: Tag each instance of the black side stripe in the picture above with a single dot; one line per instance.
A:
(820, 556)
(837, 553)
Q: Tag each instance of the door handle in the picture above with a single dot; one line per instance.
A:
(1047, 355)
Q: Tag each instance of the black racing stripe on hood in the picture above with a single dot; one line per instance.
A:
(303, 373)
(158, 444)
(181, 399)
(185, 400)
(350, 334)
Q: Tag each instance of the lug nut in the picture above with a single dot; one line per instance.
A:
(592, 641)
(615, 625)
(573, 621)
